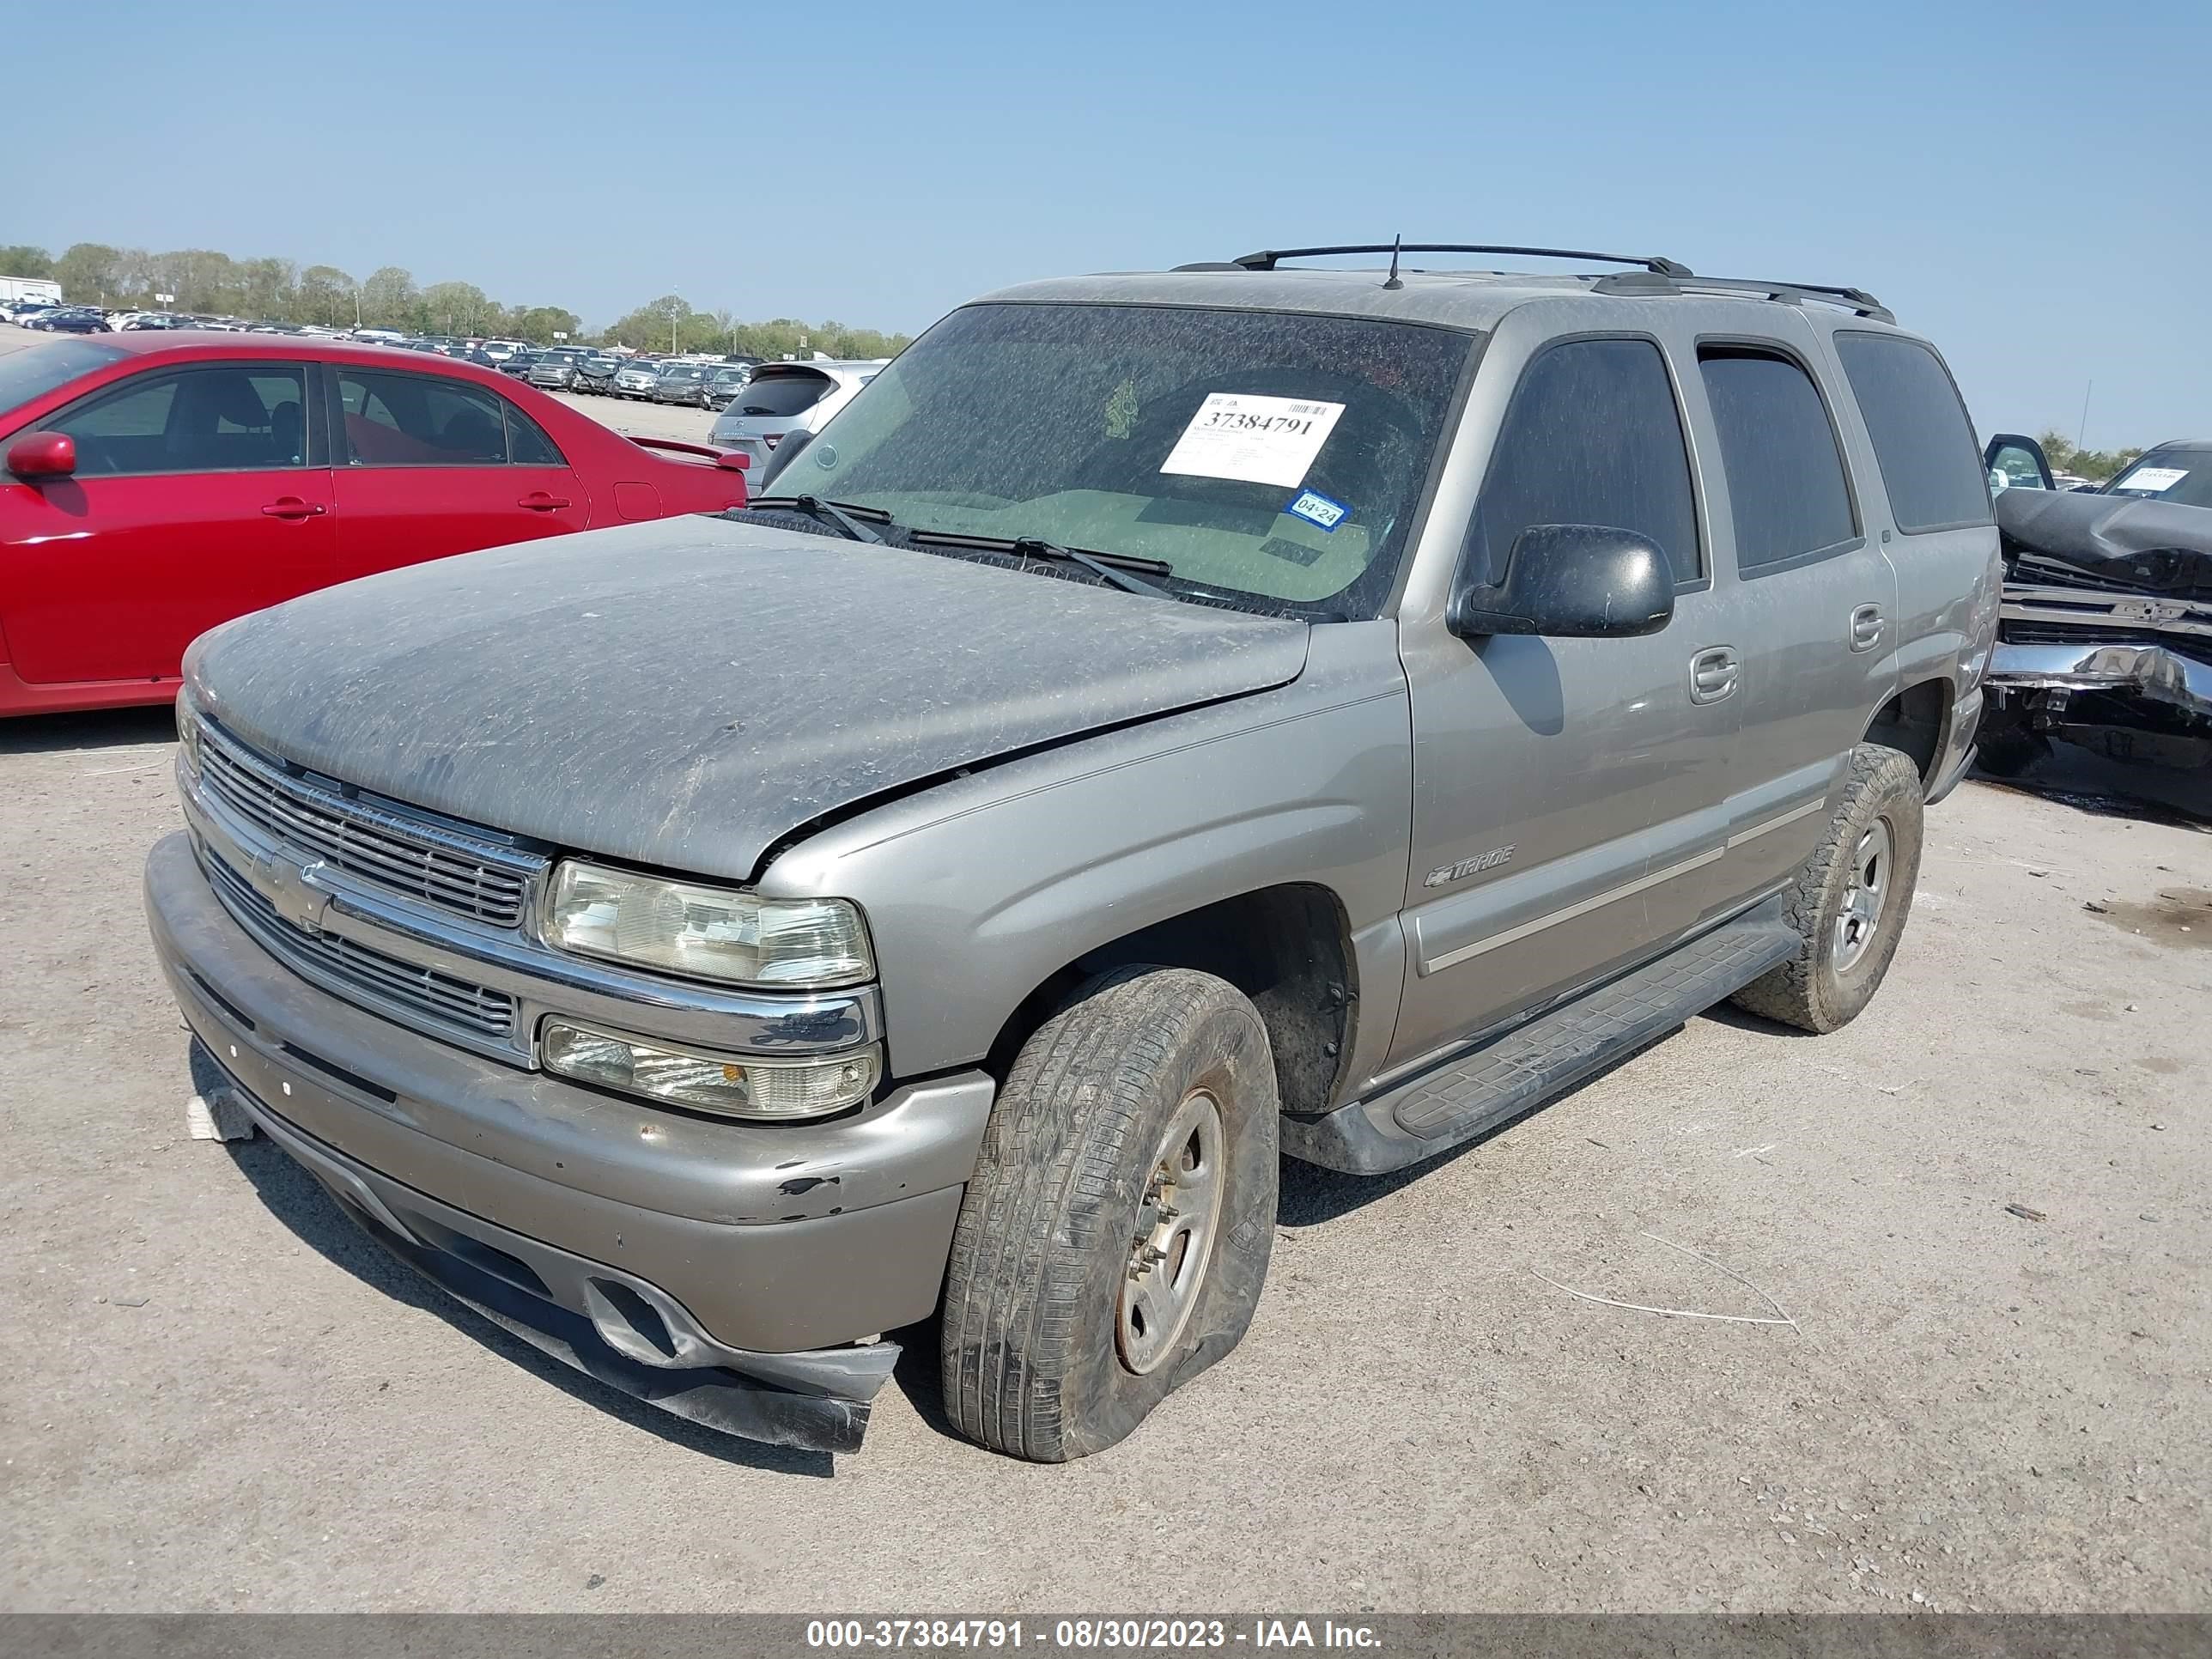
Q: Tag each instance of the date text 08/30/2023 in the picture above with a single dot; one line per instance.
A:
(1086, 1635)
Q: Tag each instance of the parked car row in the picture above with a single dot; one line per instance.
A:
(54, 317)
(59, 320)
(698, 382)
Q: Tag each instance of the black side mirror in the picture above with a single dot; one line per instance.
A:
(1571, 582)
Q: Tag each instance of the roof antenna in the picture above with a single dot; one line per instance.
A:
(1392, 280)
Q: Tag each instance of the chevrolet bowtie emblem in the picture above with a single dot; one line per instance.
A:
(292, 891)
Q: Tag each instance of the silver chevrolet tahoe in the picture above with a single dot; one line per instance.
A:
(1165, 721)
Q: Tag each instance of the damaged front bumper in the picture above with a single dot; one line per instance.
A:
(2138, 669)
(578, 1311)
(737, 1274)
(2137, 700)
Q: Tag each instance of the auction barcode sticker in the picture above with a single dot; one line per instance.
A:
(1255, 439)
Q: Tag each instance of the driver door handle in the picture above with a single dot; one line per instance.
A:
(1714, 673)
(291, 506)
(539, 502)
(1866, 628)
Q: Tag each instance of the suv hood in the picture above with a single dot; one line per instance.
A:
(685, 693)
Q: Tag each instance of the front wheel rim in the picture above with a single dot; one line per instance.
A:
(1866, 897)
(1172, 1243)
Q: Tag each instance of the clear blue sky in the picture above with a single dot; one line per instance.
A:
(2031, 185)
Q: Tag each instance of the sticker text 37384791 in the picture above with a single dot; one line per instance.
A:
(1255, 439)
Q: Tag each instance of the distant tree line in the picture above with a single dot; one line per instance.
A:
(2097, 464)
(268, 290)
(671, 323)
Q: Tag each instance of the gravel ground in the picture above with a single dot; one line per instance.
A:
(220, 1396)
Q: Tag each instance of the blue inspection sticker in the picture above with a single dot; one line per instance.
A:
(1318, 510)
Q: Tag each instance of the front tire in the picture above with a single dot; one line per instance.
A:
(1850, 900)
(1113, 1239)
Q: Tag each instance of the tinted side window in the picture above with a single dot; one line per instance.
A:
(526, 442)
(1921, 438)
(227, 419)
(420, 420)
(1592, 437)
(1785, 474)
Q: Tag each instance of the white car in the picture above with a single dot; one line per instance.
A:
(782, 398)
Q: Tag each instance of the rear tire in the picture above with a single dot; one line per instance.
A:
(1113, 1241)
(1850, 900)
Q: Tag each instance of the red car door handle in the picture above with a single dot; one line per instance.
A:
(291, 506)
(539, 502)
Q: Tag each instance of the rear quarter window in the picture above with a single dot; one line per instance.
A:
(1789, 497)
(1922, 437)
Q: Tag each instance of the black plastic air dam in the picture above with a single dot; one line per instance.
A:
(710, 1397)
(716, 1397)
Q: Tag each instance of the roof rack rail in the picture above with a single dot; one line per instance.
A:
(1267, 258)
(1857, 300)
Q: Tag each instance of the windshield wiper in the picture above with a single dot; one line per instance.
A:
(1108, 567)
(846, 518)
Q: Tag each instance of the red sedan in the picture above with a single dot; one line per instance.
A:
(158, 483)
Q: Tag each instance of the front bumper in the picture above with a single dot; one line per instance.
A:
(2145, 669)
(726, 1272)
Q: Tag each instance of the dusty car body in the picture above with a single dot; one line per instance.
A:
(1162, 719)
(2105, 639)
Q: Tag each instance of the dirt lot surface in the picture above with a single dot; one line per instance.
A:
(1983, 1208)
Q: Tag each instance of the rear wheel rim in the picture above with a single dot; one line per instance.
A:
(1866, 897)
(1172, 1242)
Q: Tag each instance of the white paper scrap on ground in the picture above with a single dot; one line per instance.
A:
(219, 1118)
(1254, 438)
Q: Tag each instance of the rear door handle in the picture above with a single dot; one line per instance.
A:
(291, 506)
(539, 502)
(1866, 628)
(1714, 673)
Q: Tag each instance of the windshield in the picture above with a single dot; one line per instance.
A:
(33, 373)
(682, 371)
(1273, 454)
(2182, 476)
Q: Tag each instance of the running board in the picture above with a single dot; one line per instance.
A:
(1509, 1075)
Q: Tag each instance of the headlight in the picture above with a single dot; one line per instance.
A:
(707, 932)
(733, 1086)
(188, 732)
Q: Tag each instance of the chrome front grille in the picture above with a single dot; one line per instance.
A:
(446, 868)
(350, 968)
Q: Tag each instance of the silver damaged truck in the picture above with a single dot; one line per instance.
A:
(1164, 722)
